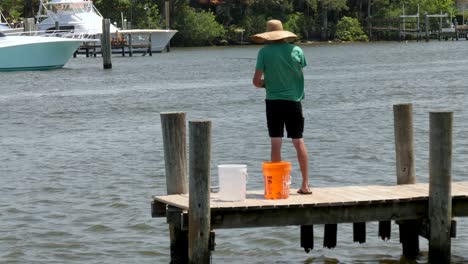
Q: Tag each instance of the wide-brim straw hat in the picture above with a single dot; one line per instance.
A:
(274, 31)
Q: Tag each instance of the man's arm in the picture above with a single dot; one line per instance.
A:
(258, 79)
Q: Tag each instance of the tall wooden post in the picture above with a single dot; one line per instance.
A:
(405, 170)
(404, 146)
(199, 191)
(175, 155)
(440, 186)
(426, 20)
(167, 16)
(130, 45)
(29, 25)
(106, 48)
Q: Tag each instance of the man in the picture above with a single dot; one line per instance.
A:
(279, 71)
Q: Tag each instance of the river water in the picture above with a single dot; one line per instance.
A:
(81, 147)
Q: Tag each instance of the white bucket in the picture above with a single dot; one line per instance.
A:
(232, 182)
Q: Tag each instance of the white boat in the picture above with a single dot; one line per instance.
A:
(82, 17)
(35, 52)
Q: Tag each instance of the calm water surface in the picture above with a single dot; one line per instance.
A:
(81, 148)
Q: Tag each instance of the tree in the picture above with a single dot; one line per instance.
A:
(327, 6)
(349, 29)
(12, 9)
(196, 28)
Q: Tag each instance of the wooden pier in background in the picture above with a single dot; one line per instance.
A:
(420, 209)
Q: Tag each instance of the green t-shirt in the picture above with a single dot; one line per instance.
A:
(282, 65)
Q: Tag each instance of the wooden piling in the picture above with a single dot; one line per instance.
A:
(106, 48)
(329, 237)
(405, 170)
(130, 45)
(307, 237)
(175, 155)
(385, 230)
(167, 16)
(199, 191)
(359, 232)
(404, 146)
(426, 21)
(29, 25)
(440, 189)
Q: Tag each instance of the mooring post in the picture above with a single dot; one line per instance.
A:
(175, 155)
(405, 170)
(106, 49)
(29, 25)
(404, 146)
(359, 232)
(440, 186)
(199, 191)
(329, 236)
(130, 45)
(167, 16)
(426, 20)
(307, 237)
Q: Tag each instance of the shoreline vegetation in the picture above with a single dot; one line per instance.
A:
(231, 22)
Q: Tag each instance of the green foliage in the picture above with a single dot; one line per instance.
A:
(253, 25)
(337, 5)
(273, 9)
(349, 29)
(113, 9)
(142, 14)
(196, 28)
(147, 15)
(306, 18)
(295, 24)
(12, 9)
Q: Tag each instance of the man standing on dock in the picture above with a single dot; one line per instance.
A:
(279, 71)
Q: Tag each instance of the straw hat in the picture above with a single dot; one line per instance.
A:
(274, 31)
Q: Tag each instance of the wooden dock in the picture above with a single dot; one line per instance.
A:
(350, 204)
(420, 209)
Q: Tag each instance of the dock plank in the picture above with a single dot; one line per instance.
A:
(326, 205)
(322, 197)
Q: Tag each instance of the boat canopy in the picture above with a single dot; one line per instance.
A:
(66, 1)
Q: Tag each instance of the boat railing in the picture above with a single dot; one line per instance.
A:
(56, 33)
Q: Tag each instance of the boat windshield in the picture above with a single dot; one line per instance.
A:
(64, 7)
(2, 35)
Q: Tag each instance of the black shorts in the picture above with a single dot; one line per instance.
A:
(282, 113)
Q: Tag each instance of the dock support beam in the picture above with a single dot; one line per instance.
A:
(405, 170)
(106, 49)
(199, 192)
(175, 148)
(440, 188)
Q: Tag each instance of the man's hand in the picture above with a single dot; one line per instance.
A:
(258, 80)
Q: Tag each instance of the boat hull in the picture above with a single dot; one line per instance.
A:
(159, 37)
(42, 53)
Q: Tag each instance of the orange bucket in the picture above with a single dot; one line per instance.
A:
(277, 176)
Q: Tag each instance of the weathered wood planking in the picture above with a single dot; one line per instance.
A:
(333, 196)
(325, 205)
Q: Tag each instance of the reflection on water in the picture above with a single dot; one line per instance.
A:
(82, 149)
